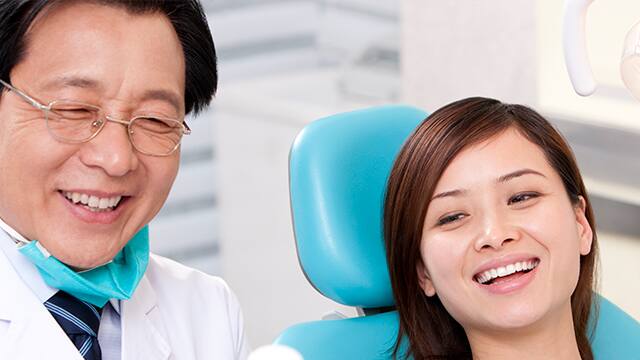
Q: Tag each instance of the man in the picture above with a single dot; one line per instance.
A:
(92, 105)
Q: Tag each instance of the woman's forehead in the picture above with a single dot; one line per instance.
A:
(491, 159)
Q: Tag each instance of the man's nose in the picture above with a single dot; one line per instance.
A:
(111, 150)
(496, 228)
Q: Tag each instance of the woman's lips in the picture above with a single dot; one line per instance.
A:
(505, 267)
(510, 283)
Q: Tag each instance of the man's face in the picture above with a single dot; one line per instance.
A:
(98, 55)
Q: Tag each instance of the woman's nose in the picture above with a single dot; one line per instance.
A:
(496, 229)
(111, 150)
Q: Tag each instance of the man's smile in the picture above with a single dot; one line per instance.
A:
(92, 202)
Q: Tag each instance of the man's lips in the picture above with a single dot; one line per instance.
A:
(95, 210)
(93, 200)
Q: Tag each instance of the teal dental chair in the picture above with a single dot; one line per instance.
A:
(338, 172)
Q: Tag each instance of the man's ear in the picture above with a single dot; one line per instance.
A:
(584, 228)
(425, 281)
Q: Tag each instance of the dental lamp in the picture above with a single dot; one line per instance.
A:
(575, 51)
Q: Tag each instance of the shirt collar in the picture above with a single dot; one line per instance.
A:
(9, 240)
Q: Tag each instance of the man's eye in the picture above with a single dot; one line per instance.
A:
(74, 113)
(450, 218)
(518, 198)
(156, 124)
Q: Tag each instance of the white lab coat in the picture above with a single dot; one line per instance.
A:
(175, 313)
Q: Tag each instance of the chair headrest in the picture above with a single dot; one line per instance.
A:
(338, 171)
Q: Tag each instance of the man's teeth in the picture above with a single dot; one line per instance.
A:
(93, 202)
(507, 270)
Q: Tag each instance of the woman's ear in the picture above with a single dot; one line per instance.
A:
(584, 228)
(425, 282)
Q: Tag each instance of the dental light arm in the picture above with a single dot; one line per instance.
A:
(630, 66)
(575, 46)
(575, 51)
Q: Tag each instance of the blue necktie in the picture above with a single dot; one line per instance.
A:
(79, 320)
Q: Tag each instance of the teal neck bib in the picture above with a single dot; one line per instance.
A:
(117, 279)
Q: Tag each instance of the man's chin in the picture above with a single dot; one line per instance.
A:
(80, 259)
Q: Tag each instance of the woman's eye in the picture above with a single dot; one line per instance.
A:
(518, 198)
(449, 219)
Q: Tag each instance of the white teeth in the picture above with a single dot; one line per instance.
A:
(103, 204)
(502, 271)
(94, 203)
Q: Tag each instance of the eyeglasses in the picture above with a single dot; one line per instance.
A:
(76, 122)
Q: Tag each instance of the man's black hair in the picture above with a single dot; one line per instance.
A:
(187, 17)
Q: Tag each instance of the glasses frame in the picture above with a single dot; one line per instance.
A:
(48, 108)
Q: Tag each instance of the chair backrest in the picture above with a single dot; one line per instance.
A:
(338, 172)
(338, 168)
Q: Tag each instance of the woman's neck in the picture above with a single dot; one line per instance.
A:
(553, 337)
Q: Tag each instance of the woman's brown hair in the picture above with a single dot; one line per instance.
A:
(430, 330)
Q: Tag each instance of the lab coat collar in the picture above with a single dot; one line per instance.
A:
(31, 332)
(144, 335)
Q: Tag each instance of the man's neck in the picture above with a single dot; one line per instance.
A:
(550, 338)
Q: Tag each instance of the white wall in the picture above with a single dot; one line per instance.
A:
(462, 48)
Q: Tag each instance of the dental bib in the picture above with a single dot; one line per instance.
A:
(117, 279)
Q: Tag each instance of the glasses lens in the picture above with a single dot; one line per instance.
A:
(71, 121)
(156, 136)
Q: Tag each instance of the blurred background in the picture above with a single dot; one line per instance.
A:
(285, 63)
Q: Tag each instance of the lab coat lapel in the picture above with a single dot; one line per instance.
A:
(144, 336)
(30, 332)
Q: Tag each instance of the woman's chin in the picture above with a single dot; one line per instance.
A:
(512, 319)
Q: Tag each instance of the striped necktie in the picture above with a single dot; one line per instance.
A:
(79, 320)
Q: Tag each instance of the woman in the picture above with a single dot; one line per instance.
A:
(490, 237)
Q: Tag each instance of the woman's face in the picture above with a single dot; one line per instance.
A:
(501, 243)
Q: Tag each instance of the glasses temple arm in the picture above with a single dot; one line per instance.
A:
(26, 97)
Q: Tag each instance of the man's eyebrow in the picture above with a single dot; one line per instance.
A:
(72, 81)
(518, 173)
(457, 192)
(88, 83)
(163, 95)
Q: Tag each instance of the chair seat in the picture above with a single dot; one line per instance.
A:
(368, 337)
(617, 336)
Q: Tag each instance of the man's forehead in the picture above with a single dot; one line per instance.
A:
(141, 53)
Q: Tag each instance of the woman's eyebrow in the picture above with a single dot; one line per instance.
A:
(518, 173)
(456, 192)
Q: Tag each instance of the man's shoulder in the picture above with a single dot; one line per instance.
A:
(170, 277)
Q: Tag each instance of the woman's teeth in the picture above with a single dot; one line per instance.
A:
(93, 203)
(507, 270)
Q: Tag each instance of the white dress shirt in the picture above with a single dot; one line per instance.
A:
(109, 333)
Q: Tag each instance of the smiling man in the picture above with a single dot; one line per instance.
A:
(94, 95)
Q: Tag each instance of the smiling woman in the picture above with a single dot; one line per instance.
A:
(490, 237)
